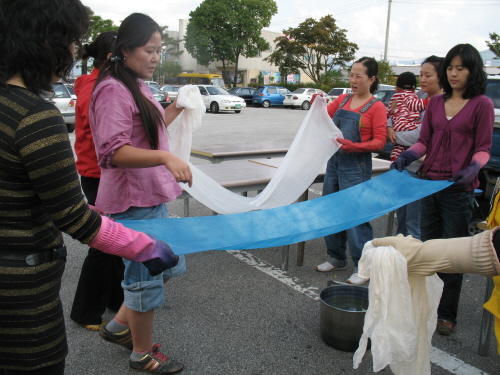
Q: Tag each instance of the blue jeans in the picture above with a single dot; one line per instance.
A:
(447, 214)
(409, 217)
(143, 292)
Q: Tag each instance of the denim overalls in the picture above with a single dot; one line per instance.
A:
(343, 171)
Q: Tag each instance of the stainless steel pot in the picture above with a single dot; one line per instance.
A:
(341, 325)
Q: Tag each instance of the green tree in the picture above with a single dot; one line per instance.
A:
(316, 47)
(167, 69)
(494, 45)
(227, 29)
(97, 26)
(385, 72)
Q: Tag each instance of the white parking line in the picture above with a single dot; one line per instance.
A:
(438, 357)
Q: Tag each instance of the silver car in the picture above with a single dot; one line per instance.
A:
(172, 90)
(65, 103)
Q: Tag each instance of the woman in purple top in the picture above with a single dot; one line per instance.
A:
(456, 138)
(139, 175)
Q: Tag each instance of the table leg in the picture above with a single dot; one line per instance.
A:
(390, 223)
(302, 245)
(486, 322)
(285, 254)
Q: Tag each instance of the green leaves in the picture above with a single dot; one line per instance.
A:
(495, 44)
(227, 29)
(316, 47)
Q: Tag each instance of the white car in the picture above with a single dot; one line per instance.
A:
(301, 98)
(336, 92)
(217, 99)
(65, 103)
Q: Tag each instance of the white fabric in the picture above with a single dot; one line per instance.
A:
(181, 137)
(309, 152)
(402, 313)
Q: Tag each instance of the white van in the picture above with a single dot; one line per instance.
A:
(336, 92)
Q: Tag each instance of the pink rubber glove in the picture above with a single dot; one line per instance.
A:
(114, 238)
(349, 146)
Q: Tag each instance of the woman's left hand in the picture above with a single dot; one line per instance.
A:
(179, 169)
(465, 177)
(348, 146)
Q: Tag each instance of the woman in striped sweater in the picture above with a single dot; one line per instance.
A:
(40, 193)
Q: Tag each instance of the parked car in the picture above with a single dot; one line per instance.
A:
(217, 99)
(161, 96)
(336, 92)
(172, 90)
(493, 92)
(267, 96)
(152, 83)
(245, 93)
(61, 98)
(301, 98)
(71, 90)
(385, 95)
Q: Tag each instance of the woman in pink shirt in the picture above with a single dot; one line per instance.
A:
(456, 139)
(139, 175)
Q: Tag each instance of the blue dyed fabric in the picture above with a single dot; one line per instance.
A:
(293, 223)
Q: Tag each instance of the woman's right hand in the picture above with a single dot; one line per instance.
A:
(179, 168)
(391, 134)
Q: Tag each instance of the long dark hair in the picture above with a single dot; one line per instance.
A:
(135, 31)
(371, 66)
(471, 59)
(35, 37)
(100, 48)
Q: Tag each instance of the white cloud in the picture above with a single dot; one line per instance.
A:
(416, 30)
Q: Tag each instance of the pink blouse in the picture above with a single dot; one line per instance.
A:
(115, 121)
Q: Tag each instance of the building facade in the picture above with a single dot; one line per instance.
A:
(249, 69)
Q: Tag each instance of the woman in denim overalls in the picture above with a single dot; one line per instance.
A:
(362, 119)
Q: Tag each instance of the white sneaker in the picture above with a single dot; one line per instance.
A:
(356, 280)
(335, 265)
(325, 267)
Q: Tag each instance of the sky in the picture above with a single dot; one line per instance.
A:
(418, 28)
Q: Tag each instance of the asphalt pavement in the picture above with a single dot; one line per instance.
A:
(238, 313)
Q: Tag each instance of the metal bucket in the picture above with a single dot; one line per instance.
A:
(341, 326)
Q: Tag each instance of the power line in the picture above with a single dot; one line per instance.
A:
(452, 2)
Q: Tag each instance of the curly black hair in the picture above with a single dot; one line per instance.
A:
(35, 40)
(471, 59)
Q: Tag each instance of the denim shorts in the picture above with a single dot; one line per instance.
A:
(143, 292)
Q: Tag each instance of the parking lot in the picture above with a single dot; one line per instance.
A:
(238, 313)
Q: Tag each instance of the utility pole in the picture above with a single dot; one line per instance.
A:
(387, 30)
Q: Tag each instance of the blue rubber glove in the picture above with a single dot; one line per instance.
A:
(161, 257)
(466, 177)
(403, 160)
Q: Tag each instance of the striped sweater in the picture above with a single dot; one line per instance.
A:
(40, 196)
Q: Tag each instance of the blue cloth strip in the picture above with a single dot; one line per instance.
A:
(293, 223)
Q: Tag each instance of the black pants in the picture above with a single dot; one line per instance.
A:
(99, 286)
(57, 369)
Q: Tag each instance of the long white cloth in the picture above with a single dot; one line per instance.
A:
(309, 152)
(402, 313)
